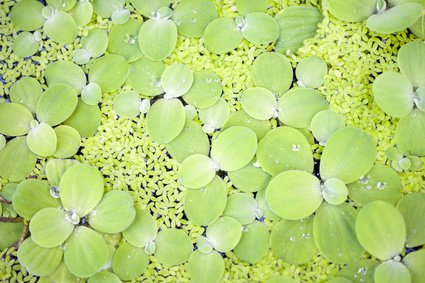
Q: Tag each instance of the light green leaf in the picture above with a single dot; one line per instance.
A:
(360, 271)
(85, 119)
(294, 194)
(127, 103)
(284, 148)
(264, 207)
(26, 15)
(224, 234)
(272, 71)
(176, 80)
(129, 262)
(241, 118)
(259, 28)
(42, 140)
(392, 272)
(293, 241)
(204, 245)
(214, 117)
(411, 60)
(380, 183)
(205, 268)
(62, 5)
(334, 191)
(165, 120)
(410, 133)
(192, 140)
(311, 72)
(96, 42)
(26, 91)
(145, 76)
(10, 233)
(418, 27)
(82, 13)
(61, 27)
(81, 188)
(412, 207)
(348, 155)
(352, 10)
(205, 91)
(254, 243)
(31, 196)
(381, 230)
(149, 8)
(2, 142)
(222, 35)
(25, 44)
(395, 19)
(249, 179)
(336, 224)
(16, 160)
(85, 252)
(38, 260)
(246, 7)
(242, 207)
(50, 227)
(196, 171)
(297, 24)
(15, 119)
(104, 277)
(114, 213)
(124, 40)
(324, 124)
(109, 79)
(91, 94)
(393, 93)
(142, 230)
(173, 246)
(105, 8)
(415, 262)
(67, 73)
(259, 103)
(158, 38)
(204, 206)
(298, 106)
(7, 193)
(55, 168)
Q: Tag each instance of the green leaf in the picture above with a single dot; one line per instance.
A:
(173, 246)
(336, 224)
(2, 142)
(224, 234)
(61, 27)
(176, 80)
(55, 168)
(10, 233)
(392, 272)
(16, 160)
(31, 196)
(380, 183)
(412, 207)
(297, 24)
(202, 207)
(129, 262)
(411, 60)
(324, 124)
(42, 140)
(159, 38)
(249, 179)
(259, 103)
(104, 277)
(246, 7)
(410, 133)
(165, 120)
(393, 93)
(272, 71)
(395, 19)
(68, 141)
(85, 252)
(105, 8)
(50, 227)
(259, 28)
(222, 148)
(81, 188)
(242, 207)
(348, 155)
(263, 205)
(144, 76)
(293, 241)
(205, 268)
(381, 230)
(214, 117)
(114, 213)
(149, 8)
(142, 230)
(38, 260)
(96, 42)
(284, 148)
(415, 262)
(204, 245)
(294, 194)
(127, 103)
(67, 73)
(360, 271)
(109, 79)
(311, 72)
(124, 40)
(26, 91)
(222, 35)
(334, 191)
(417, 28)
(254, 243)
(25, 44)
(196, 171)
(191, 140)
(82, 13)
(241, 118)
(7, 193)
(26, 15)
(61, 274)
(205, 91)
(85, 119)
(15, 119)
(62, 5)
(352, 10)
(298, 107)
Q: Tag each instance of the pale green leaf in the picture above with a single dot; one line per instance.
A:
(82, 13)
(259, 103)
(173, 246)
(105, 8)
(264, 207)
(249, 179)
(15, 119)
(25, 44)
(324, 124)
(10, 233)
(61, 27)
(246, 7)
(215, 116)
(124, 40)
(196, 171)
(242, 207)
(412, 207)
(410, 133)
(96, 42)
(85, 119)
(26, 15)
(254, 243)
(334, 191)
(127, 103)
(224, 234)
(149, 8)
(205, 268)
(392, 272)
(352, 10)
(241, 118)
(55, 168)
(222, 35)
(311, 72)
(205, 91)
(360, 271)
(109, 79)
(62, 5)
(26, 91)
(142, 230)
(415, 262)
(67, 73)
(176, 80)
(91, 94)
(144, 76)
(260, 28)
(129, 262)
(411, 60)
(42, 140)
(104, 277)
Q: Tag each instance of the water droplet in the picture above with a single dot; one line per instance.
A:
(364, 180)
(54, 192)
(296, 147)
(131, 39)
(306, 236)
(381, 186)
(193, 20)
(291, 239)
(72, 216)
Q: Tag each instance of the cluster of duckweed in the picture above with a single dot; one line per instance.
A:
(130, 161)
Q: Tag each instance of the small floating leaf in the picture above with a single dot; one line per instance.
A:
(129, 262)
(142, 230)
(417, 28)
(55, 168)
(104, 276)
(411, 59)
(205, 268)
(109, 79)
(254, 243)
(260, 28)
(272, 71)
(222, 35)
(214, 116)
(360, 271)
(120, 16)
(241, 118)
(15, 119)
(415, 262)
(410, 133)
(324, 124)
(165, 120)
(249, 178)
(2, 141)
(196, 171)
(26, 15)
(242, 207)
(224, 234)
(158, 38)
(62, 5)
(96, 42)
(335, 191)
(25, 44)
(173, 247)
(381, 230)
(205, 91)
(26, 91)
(82, 13)
(91, 94)
(412, 207)
(85, 119)
(124, 40)
(259, 103)
(145, 76)
(352, 10)
(61, 27)
(246, 7)
(42, 140)
(176, 80)
(392, 272)
(149, 8)
(105, 8)
(10, 233)
(127, 103)
(311, 72)
(66, 72)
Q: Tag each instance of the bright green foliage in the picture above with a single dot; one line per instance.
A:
(26, 15)
(158, 38)
(324, 124)
(360, 271)
(412, 207)
(61, 27)
(96, 42)
(224, 234)
(109, 79)
(352, 10)
(258, 28)
(196, 171)
(2, 141)
(62, 5)
(173, 247)
(85, 119)
(264, 206)
(67, 73)
(245, 7)
(176, 80)
(311, 72)
(414, 262)
(15, 119)
(222, 35)
(91, 94)
(411, 59)
(142, 230)
(82, 13)
(214, 116)
(410, 133)
(242, 207)
(205, 267)
(149, 8)
(124, 40)
(259, 103)
(127, 104)
(144, 76)
(334, 191)
(205, 91)
(25, 44)
(26, 91)
(392, 272)
(254, 243)
(204, 245)
(129, 261)
(55, 168)
(249, 179)
(10, 233)
(105, 8)
(104, 276)
(68, 141)
(241, 118)
(42, 140)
